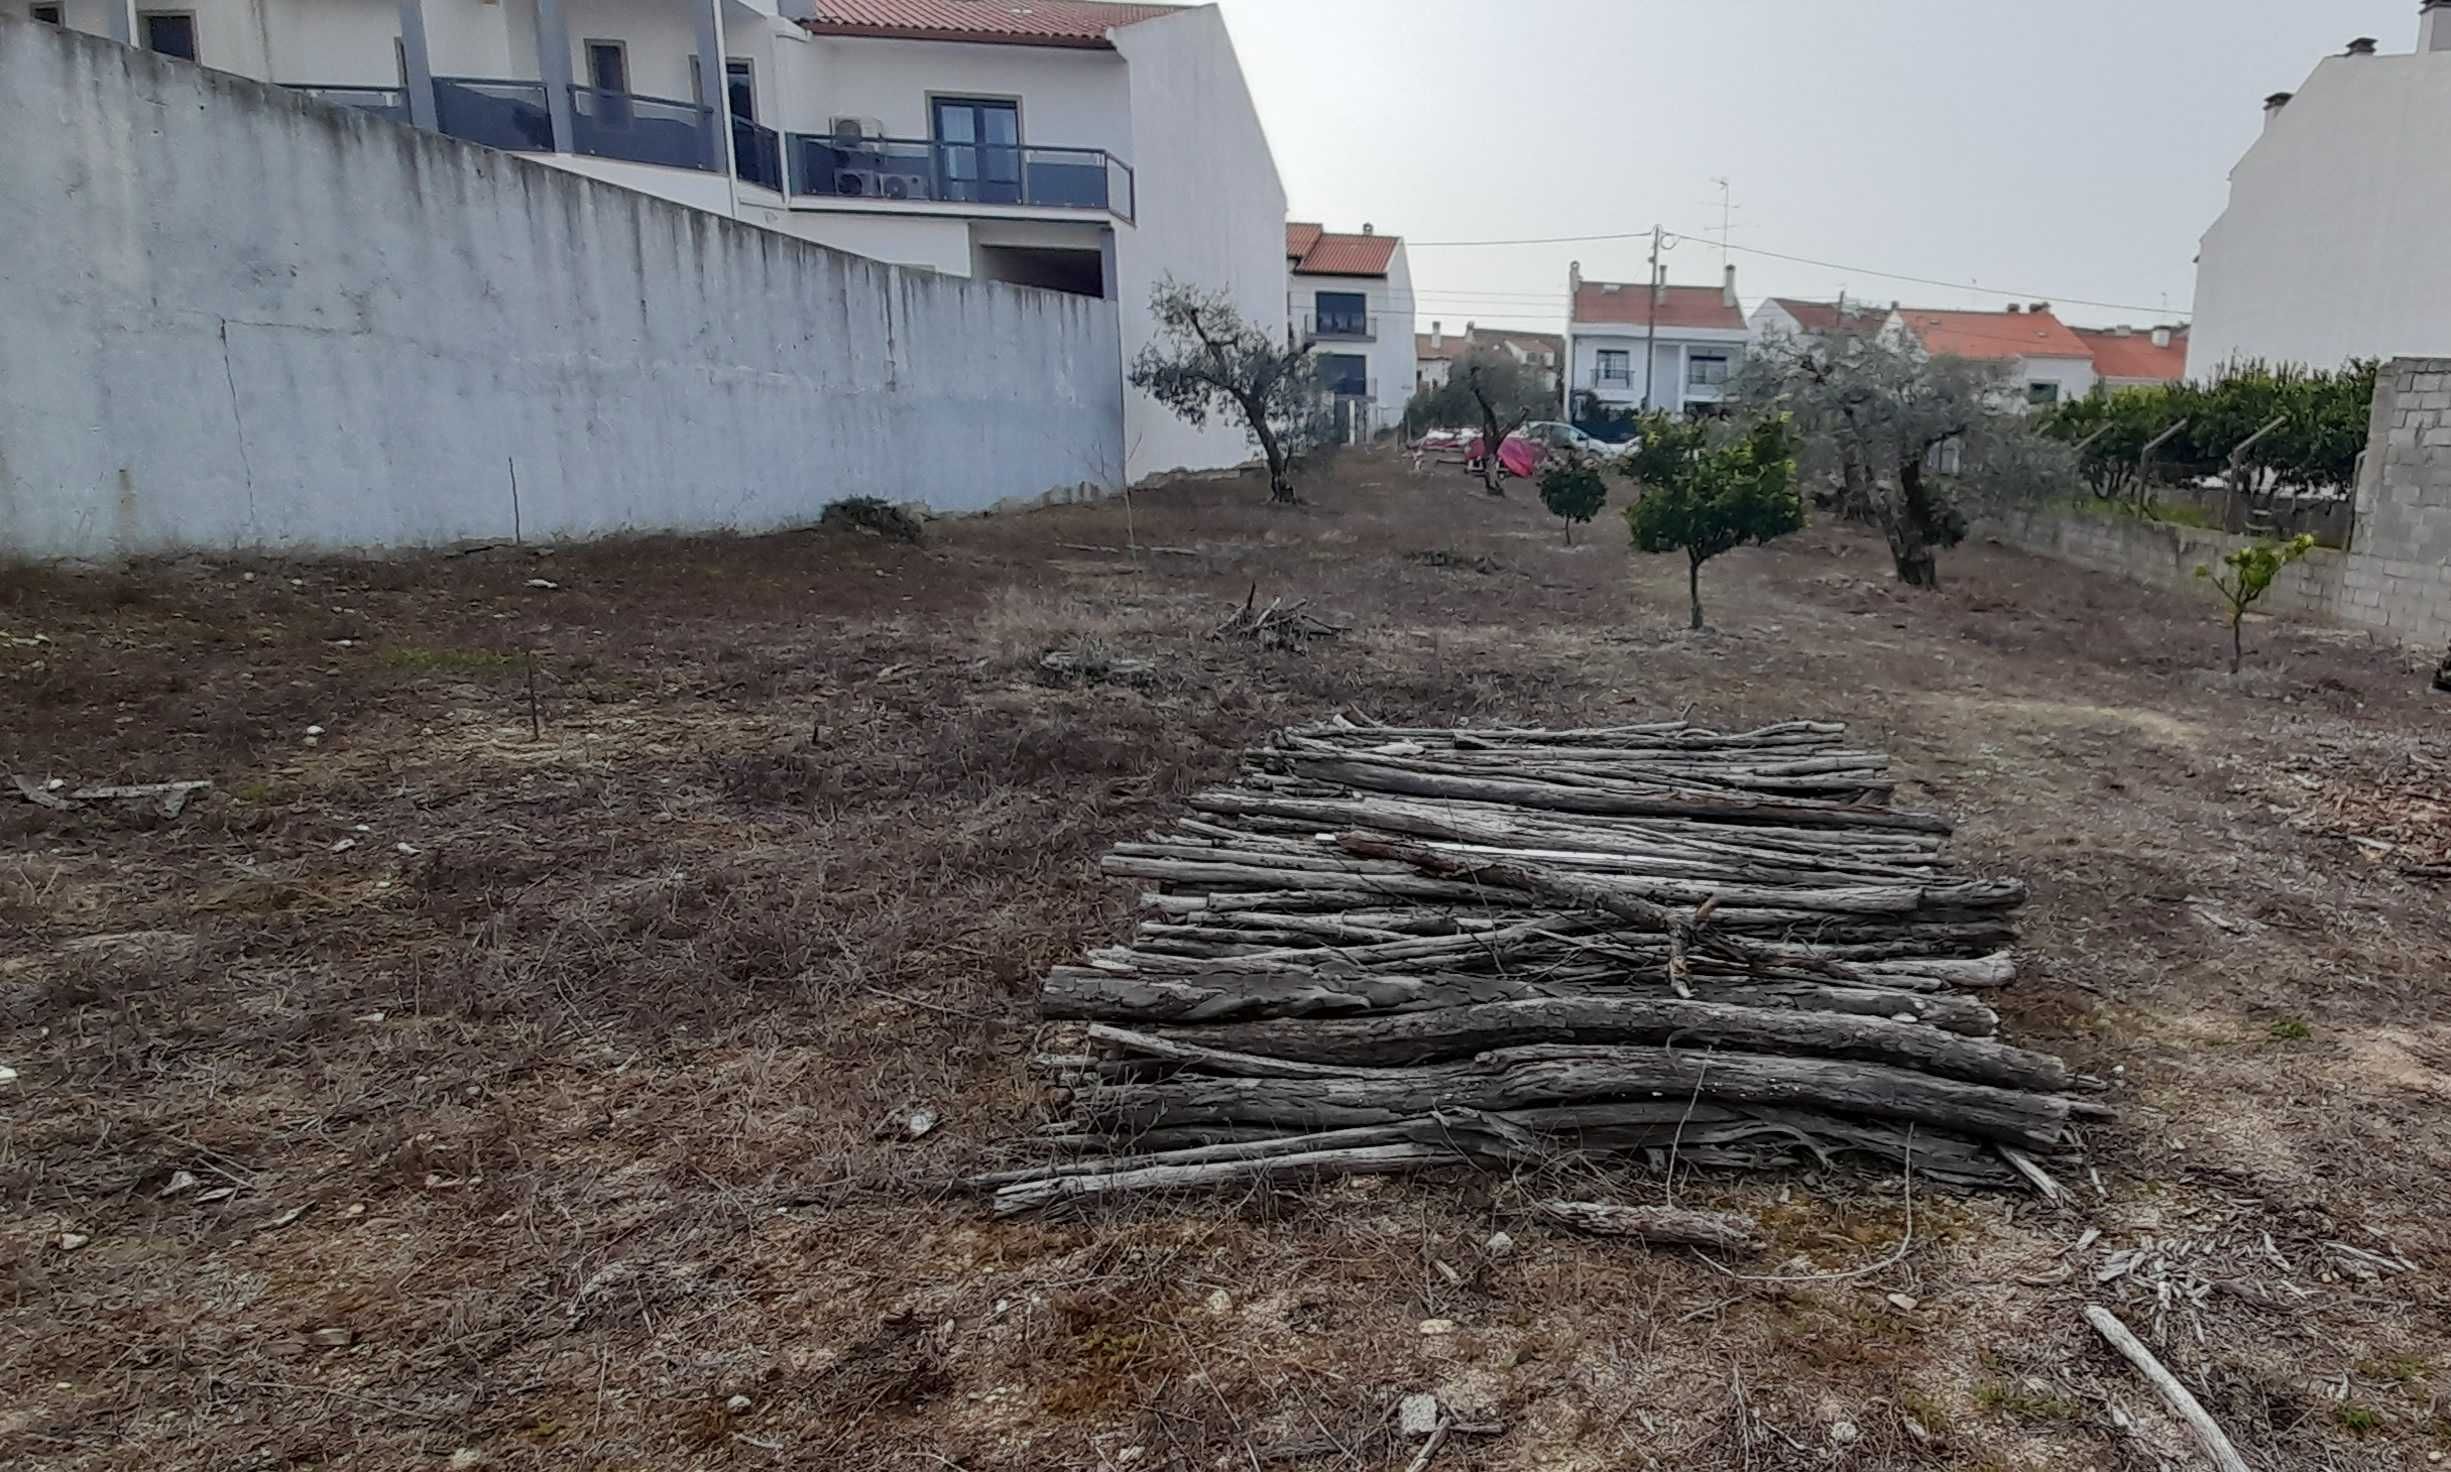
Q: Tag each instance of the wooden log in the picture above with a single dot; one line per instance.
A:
(1039, 1195)
(1725, 1230)
(1259, 1149)
(1519, 1078)
(1382, 776)
(1404, 1038)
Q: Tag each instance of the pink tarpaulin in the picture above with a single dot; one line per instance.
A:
(1518, 456)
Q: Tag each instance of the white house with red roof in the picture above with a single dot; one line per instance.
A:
(1351, 296)
(2042, 358)
(1083, 146)
(2127, 357)
(1665, 347)
(2331, 246)
(1819, 324)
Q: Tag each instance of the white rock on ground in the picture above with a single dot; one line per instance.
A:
(1417, 1415)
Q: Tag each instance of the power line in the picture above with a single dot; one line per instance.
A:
(1756, 250)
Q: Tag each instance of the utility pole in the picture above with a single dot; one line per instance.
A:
(1652, 332)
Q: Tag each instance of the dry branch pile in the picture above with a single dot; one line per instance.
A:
(1383, 949)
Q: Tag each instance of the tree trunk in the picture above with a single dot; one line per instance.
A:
(1280, 482)
(1569, 529)
(2238, 652)
(1910, 536)
(1693, 588)
(1491, 467)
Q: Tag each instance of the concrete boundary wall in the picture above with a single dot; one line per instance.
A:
(2396, 576)
(238, 320)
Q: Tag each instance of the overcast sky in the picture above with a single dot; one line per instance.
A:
(2045, 149)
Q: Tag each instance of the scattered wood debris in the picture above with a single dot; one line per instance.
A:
(1091, 664)
(1280, 625)
(2208, 1431)
(1390, 949)
(169, 797)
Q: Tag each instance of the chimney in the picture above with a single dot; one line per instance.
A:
(2362, 46)
(2161, 337)
(2434, 26)
(2040, 309)
(1574, 284)
(1368, 228)
(1438, 335)
(2016, 309)
(2274, 104)
(2122, 330)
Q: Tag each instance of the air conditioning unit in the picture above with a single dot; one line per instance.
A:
(904, 186)
(851, 132)
(856, 182)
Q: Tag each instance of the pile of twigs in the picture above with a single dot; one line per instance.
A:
(1280, 625)
(1386, 949)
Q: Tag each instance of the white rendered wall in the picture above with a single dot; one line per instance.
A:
(2075, 376)
(280, 325)
(2333, 243)
(1390, 306)
(349, 43)
(1069, 97)
(1666, 359)
(1212, 212)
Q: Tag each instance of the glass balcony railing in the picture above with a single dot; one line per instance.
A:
(917, 169)
(496, 113)
(757, 154)
(389, 103)
(642, 130)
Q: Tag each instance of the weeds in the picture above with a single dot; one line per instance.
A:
(874, 515)
(2290, 1030)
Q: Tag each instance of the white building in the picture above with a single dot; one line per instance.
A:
(1077, 145)
(2125, 357)
(1820, 325)
(1542, 354)
(2331, 247)
(1670, 347)
(1352, 295)
(2042, 359)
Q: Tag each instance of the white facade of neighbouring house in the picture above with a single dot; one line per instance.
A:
(2042, 361)
(1080, 146)
(1796, 321)
(2331, 246)
(1670, 347)
(1351, 297)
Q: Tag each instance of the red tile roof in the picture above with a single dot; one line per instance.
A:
(2134, 355)
(1454, 345)
(1680, 306)
(1993, 335)
(1315, 251)
(1081, 23)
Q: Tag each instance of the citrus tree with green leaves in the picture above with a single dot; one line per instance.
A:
(2251, 570)
(1709, 497)
(1573, 490)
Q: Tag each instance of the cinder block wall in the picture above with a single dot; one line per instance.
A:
(232, 318)
(2396, 576)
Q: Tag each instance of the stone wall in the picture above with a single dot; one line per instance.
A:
(231, 318)
(2396, 576)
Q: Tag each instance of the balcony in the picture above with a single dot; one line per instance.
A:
(389, 103)
(757, 154)
(1617, 378)
(920, 171)
(1339, 327)
(496, 113)
(642, 130)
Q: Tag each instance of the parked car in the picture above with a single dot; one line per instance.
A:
(1559, 435)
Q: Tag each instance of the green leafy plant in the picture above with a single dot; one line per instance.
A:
(1573, 490)
(1718, 497)
(2251, 571)
(2291, 1030)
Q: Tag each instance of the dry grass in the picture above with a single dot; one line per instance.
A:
(570, 1075)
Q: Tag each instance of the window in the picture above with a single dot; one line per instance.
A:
(608, 66)
(1706, 370)
(740, 87)
(2042, 391)
(170, 34)
(1342, 313)
(47, 14)
(1616, 365)
(978, 149)
(1347, 375)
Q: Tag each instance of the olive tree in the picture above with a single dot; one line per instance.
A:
(1206, 359)
(1882, 419)
(1488, 388)
(1704, 498)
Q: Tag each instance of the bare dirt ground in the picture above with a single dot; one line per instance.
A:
(427, 1094)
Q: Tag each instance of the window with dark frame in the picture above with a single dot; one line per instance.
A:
(47, 14)
(608, 66)
(2042, 391)
(1347, 375)
(740, 87)
(1706, 370)
(1616, 365)
(170, 33)
(978, 149)
(1341, 313)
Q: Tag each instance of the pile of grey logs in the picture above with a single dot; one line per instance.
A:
(1388, 949)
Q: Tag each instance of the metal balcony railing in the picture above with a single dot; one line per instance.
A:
(1612, 378)
(389, 103)
(1340, 326)
(919, 169)
(494, 112)
(643, 130)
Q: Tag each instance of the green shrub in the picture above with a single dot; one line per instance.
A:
(2251, 571)
(873, 514)
(1573, 490)
(1709, 499)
